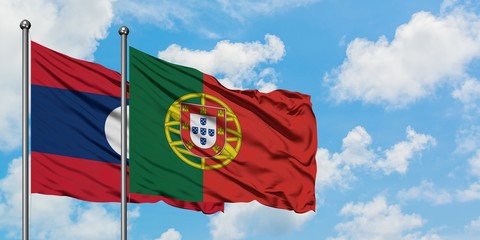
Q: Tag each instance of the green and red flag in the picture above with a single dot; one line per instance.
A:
(194, 140)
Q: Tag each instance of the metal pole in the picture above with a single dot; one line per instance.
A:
(123, 31)
(25, 26)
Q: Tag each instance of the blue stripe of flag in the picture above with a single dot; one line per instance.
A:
(71, 123)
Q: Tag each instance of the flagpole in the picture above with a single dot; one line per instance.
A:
(25, 26)
(123, 31)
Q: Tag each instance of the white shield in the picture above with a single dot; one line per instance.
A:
(203, 130)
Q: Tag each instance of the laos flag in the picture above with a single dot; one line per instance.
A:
(75, 131)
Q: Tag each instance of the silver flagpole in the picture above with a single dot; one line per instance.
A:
(25, 26)
(123, 31)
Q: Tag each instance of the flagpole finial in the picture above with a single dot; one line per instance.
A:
(123, 30)
(25, 24)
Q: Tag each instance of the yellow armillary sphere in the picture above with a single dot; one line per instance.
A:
(230, 134)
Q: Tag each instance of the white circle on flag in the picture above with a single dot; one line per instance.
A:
(113, 127)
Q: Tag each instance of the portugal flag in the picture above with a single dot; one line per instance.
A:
(194, 140)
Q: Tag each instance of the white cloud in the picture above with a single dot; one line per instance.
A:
(61, 25)
(378, 220)
(243, 9)
(468, 140)
(471, 231)
(425, 191)
(398, 157)
(134, 213)
(164, 13)
(169, 14)
(473, 226)
(448, 5)
(337, 168)
(332, 171)
(474, 163)
(355, 150)
(420, 236)
(411, 66)
(470, 194)
(237, 71)
(243, 219)
(53, 217)
(170, 234)
(11, 196)
(80, 222)
(468, 94)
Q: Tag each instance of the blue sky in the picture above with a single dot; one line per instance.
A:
(395, 89)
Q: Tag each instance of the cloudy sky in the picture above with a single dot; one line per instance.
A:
(395, 88)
